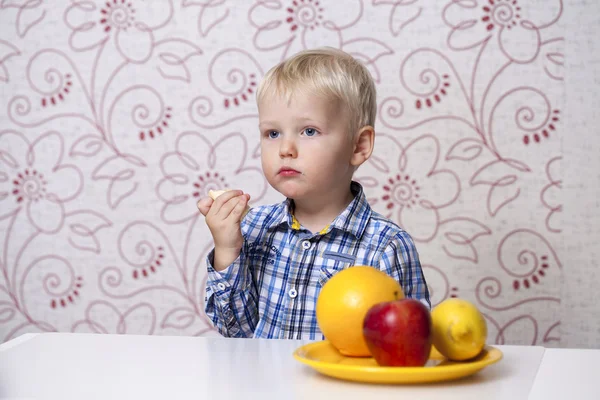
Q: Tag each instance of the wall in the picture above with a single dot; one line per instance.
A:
(115, 117)
(580, 309)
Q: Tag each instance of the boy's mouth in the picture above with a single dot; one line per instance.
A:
(285, 171)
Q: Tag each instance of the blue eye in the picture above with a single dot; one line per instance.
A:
(310, 131)
(273, 134)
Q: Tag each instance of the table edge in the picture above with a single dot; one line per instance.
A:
(17, 341)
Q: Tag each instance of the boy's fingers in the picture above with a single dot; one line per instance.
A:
(239, 208)
(204, 205)
(222, 199)
(225, 210)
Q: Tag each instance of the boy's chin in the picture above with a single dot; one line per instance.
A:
(290, 194)
(291, 190)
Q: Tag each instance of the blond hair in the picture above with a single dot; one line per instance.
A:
(330, 73)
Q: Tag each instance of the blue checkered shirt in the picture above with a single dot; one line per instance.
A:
(271, 289)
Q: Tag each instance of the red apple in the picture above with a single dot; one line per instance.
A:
(399, 333)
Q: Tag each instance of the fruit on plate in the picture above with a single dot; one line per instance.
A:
(344, 301)
(213, 194)
(459, 329)
(399, 333)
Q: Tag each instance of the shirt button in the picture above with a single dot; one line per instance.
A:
(306, 245)
(293, 293)
(221, 286)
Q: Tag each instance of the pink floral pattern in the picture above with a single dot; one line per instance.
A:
(410, 191)
(103, 317)
(188, 177)
(7, 51)
(551, 195)
(301, 24)
(28, 14)
(129, 23)
(118, 115)
(402, 14)
(32, 177)
(515, 23)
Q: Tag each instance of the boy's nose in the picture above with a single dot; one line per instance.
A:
(288, 148)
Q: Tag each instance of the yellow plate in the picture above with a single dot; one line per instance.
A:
(323, 357)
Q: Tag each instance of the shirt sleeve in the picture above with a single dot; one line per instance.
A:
(231, 298)
(400, 260)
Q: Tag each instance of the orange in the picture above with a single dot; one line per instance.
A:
(344, 302)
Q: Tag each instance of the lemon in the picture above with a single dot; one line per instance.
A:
(344, 301)
(459, 329)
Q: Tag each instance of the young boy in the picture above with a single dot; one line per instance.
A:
(316, 117)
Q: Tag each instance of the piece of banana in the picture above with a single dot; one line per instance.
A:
(213, 194)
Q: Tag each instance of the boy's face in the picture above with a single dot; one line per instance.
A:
(306, 148)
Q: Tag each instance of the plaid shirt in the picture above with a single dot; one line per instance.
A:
(271, 289)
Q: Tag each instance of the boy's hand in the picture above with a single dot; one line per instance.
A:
(223, 217)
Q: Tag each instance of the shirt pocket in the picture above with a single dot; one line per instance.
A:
(259, 256)
(333, 263)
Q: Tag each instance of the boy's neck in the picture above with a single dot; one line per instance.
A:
(316, 213)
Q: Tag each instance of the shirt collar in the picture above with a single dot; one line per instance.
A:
(353, 219)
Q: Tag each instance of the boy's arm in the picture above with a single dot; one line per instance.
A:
(400, 260)
(231, 298)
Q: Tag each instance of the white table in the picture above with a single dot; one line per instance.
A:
(567, 374)
(87, 366)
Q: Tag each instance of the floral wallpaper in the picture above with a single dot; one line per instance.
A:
(117, 116)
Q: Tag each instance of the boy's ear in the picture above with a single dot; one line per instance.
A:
(363, 145)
